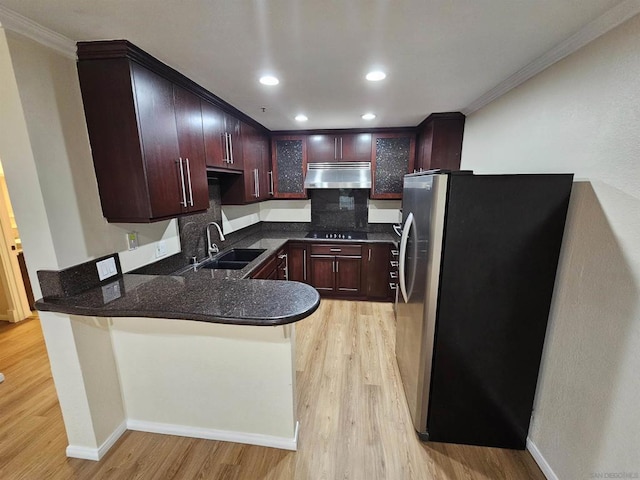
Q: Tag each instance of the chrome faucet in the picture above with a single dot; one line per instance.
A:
(212, 247)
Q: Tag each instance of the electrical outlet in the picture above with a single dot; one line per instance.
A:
(161, 249)
(111, 292)
(106, 268)
(132, 240)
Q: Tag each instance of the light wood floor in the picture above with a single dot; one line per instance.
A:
(354, 423)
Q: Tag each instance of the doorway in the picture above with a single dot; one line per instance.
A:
(16, 296)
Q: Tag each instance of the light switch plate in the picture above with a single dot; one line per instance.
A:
(161, 249)
(106, 268)
(132, 240)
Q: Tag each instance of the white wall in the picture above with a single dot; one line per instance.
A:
(49, 161)
(582, 115)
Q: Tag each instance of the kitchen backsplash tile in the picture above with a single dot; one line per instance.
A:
(339, 209)
(193, 236)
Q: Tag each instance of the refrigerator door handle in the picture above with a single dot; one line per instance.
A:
(403, 256)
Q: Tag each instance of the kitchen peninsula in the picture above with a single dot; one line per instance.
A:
(207, 353)
(149, 366)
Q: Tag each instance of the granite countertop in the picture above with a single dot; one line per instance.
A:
(170, 289)
(269, 241)
(194, 297)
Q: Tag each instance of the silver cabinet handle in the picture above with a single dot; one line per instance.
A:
(226, 148)
(189, 183)
(337, 266)
(258, 182)
(336, 249)
(398, 230)
(394, 263)
(230, 150)
(340, 148)
(395, 253)
(393, 286)
(255, 183)
(184, 193)
(333, 266)
(393, 274)
(335, 148)
(270, 173)
(286, 265)
(304, 265)
(369, 259)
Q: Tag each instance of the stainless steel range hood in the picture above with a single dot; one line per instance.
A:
(338, 175)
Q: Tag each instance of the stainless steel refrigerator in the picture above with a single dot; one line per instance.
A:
(478, 259)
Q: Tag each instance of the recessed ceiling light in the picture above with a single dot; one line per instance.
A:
(376, 76)
(269, 80)
(368, 116)
(301, 118)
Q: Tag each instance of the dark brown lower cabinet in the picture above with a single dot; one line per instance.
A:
(298, 262)
(268, 270)
(345, 270)
(336, 269)
(376, 269)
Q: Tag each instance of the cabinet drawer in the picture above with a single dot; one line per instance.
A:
(350, 250)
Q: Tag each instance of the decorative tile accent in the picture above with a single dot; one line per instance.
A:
(392, 161)
(339, 209)
(290, 176)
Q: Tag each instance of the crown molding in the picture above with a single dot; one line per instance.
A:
(598, 27)
(15, 22)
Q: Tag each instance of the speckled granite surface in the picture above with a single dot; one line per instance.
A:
(197, 296)
(270, 240)
(219, 296)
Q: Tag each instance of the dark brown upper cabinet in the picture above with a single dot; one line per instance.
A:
(223, 138)
(254, 185)
(440, 142)
(289, 163)
(153, 133)
(392, 156)
(146, 168)
(191, 146)
(348, 147)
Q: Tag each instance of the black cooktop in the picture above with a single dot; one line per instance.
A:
(338, 235)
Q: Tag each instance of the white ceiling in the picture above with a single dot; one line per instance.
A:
(439, 55)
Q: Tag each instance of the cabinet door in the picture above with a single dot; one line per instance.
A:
(425, 143)
(348, 275)
(355, 147)
(376, 274)
(191, 144)
(289, 161)
(233, 127)
(322, 273)
(264, 168)
(322, 148)
(213, 130)
(157, 124)
(298, 262)
(392, 157)
(251, 162)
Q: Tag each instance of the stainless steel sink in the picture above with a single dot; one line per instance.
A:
(234, 259)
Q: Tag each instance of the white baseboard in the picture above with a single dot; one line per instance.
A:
(96, 454)
(540, 460)
(285, 443)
